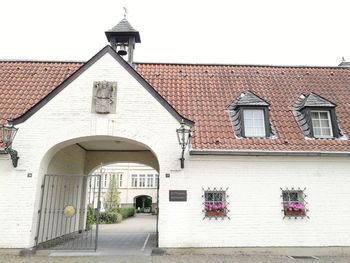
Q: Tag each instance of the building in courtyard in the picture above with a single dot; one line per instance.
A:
(247, 155)
(137, 185)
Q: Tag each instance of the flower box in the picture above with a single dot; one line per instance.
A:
(295, 213)
(215, 213)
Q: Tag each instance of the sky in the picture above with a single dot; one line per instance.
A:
(273, 32)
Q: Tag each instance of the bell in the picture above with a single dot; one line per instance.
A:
(122, 51)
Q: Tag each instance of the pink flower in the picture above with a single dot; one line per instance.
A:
(296, 207)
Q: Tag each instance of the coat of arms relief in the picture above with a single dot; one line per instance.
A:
(104, 97)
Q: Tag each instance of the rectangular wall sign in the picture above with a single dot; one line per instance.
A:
(177, 195)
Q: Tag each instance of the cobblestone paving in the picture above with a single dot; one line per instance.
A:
(171, 259)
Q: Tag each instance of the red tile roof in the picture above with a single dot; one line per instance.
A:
(23, 84)
(202, 93)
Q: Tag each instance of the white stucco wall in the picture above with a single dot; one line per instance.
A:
(255, 202)
(67, 118)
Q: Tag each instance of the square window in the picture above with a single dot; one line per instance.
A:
(321, 124)
(293, 203)
(254, 123)
(215, 204)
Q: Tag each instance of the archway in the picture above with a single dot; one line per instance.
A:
(69, 185)
(144, 204)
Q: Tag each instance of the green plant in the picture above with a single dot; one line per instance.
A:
(111, 199)
(110, 217)
(141, 210)
(90, 217)
(127, 212)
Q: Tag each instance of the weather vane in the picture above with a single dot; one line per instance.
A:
(125, 11)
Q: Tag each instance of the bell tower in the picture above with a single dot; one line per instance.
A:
(122, 38)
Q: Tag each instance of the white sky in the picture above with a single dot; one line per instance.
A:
(279, 32)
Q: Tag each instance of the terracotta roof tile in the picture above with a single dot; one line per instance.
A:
(202, 93)
(23, 84)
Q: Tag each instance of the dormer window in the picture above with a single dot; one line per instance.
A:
(316, 117)
(249, 116)
(321, 124)
(254, 123)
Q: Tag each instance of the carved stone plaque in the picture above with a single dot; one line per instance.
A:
(104, 97)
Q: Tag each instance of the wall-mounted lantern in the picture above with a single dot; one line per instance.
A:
(183, 135)
(7, 134)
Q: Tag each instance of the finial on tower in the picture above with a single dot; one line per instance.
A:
(125, 11)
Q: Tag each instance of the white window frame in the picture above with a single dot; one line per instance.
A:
(105, 179)
(120, 179)
(142, 180)
(263, 135)
(150, 180)
(134, 180)
(330, 124)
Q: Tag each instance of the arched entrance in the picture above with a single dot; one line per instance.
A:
(70, 197)
(143, 204)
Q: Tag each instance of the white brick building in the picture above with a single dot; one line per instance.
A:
(267, 164)
(133, 181)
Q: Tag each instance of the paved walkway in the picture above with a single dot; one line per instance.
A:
(171, 259)
(133, 236)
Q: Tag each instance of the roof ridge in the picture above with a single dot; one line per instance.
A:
(240, 65)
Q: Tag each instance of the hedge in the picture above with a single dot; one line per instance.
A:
(127, 212)
(110, 217)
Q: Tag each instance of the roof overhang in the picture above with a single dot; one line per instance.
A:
(269, 153)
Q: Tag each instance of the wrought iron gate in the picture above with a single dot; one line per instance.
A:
(69, 212)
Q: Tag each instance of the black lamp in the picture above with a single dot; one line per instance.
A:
(7, 134)
(183, 135)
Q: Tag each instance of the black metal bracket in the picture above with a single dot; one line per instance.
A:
(182, 159)
(13, 154)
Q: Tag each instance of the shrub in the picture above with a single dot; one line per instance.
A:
(110, 217)
(141, 210)
(127, 212)
(90, 217)
(111, 198)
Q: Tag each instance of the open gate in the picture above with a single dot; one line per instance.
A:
(69, 212)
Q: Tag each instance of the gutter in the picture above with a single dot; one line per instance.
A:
(268, 153)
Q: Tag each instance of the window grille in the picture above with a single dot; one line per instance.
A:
(294, 204)
(215, 203)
